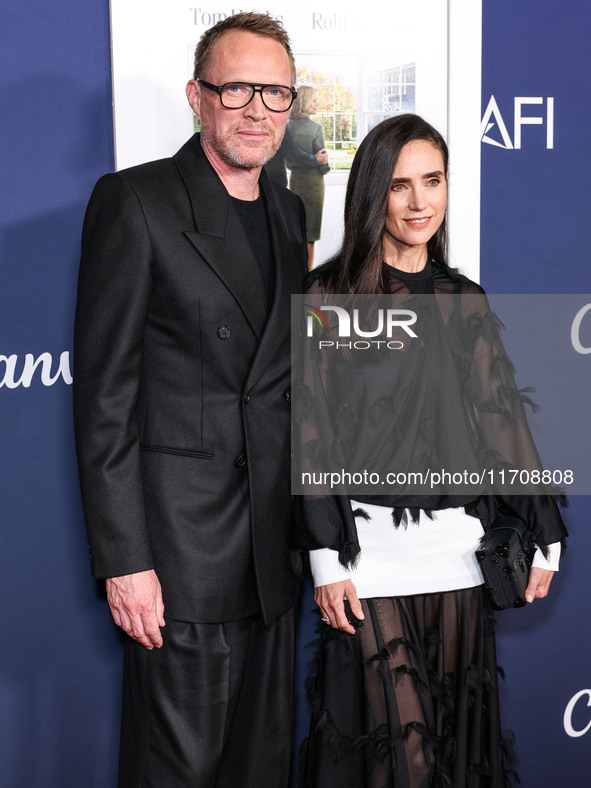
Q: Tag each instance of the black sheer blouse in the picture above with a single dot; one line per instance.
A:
(458, 394)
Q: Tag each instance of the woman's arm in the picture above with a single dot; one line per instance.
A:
(332, 586)
(497, 407)
(542, 572)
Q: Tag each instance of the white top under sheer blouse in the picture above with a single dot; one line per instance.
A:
(419, 558)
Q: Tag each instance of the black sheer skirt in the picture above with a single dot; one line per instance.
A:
(410, 700)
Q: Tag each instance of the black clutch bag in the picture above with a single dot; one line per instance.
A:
(505, 557)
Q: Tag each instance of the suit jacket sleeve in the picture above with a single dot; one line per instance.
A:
(114, 291)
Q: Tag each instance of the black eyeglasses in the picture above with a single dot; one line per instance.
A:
(235, 95)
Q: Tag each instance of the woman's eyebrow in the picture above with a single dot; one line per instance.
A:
(436, 174)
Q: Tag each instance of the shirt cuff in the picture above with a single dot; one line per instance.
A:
(326, 568)
(551, 563)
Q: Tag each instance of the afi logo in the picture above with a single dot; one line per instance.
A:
(493, 121)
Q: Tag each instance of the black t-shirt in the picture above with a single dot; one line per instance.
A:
(253, 216)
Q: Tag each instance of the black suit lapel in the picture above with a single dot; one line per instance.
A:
(220, 237)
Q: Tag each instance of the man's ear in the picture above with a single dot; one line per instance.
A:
(193, 92)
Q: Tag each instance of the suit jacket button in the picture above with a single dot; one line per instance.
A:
(287, 396)
(246, 399)
(240, 461)
(223, 332)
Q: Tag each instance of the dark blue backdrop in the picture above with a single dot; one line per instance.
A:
(60, 656)
(59, 662)
(535, 216)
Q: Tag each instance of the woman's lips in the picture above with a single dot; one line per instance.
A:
(419, 222)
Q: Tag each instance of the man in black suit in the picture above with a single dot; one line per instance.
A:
(182, 425)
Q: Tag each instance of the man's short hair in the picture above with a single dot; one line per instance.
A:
(261, 24)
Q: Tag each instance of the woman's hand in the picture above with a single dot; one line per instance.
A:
(321, 157)
(539, 583)
(330, 600)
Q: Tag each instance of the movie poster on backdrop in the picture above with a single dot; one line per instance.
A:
(363, 62)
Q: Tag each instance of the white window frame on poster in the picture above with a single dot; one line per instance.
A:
(361, 86)
(150, 122)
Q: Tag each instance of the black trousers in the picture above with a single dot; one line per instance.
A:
(211, 709)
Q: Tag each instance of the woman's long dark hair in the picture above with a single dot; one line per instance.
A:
(357, 267)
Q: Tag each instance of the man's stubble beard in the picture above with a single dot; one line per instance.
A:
(229, 152)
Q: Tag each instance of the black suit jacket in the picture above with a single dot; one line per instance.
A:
(181, 388)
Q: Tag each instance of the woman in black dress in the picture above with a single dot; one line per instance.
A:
(405, 694)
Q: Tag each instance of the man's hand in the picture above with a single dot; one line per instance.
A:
(322, 156)
(539, 583)
(136, 604)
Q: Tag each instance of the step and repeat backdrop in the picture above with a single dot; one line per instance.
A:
(534, 127)
(87, 88)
